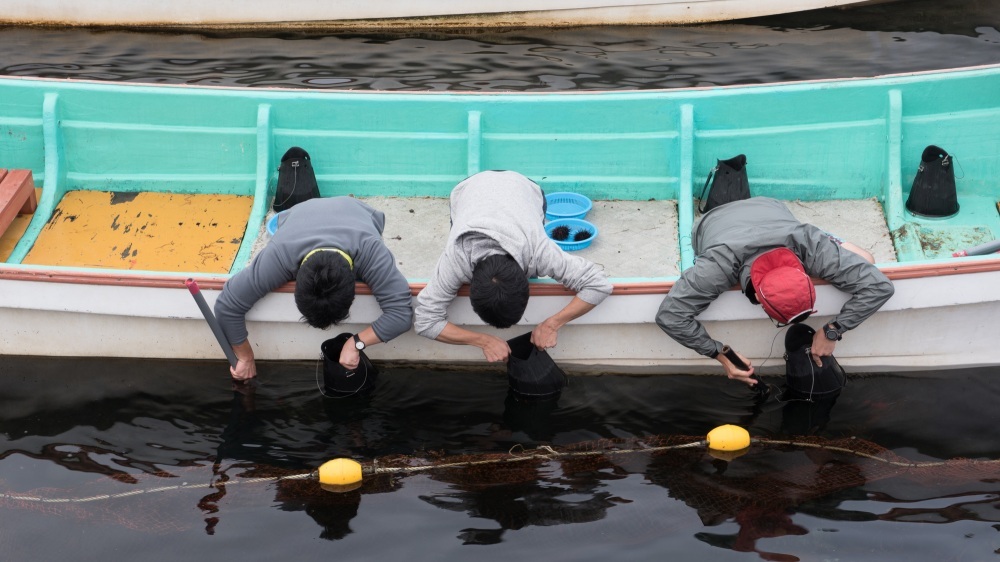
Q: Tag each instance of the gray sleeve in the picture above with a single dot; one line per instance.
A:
(392, 291)
(697, 288)
(264, 274)
(868, 286)
(431, 313)
(585, 277)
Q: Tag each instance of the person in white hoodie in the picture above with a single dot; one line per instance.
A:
(497, 241)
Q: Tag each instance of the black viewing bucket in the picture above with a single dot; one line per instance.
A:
(531, 372)
(933, 193)
(803, 379)
(338, 381)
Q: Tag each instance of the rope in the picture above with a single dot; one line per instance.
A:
(546, 453)
(516, 454)
(17, 497)
(915, 464)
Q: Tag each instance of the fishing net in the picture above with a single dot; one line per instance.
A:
(771, 477)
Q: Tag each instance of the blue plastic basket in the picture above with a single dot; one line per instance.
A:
(566, 205)
(574, 226)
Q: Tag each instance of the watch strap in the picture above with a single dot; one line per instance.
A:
(834, 328)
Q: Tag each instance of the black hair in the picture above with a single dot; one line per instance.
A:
(324, 289)
(499, 290)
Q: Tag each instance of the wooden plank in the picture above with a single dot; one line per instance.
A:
(17, 196)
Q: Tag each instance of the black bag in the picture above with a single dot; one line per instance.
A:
(531, 372)
(338, 382)
(296, 180)
(933, 193)
(728, 183)
(803, 379)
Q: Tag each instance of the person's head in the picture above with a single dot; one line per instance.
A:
(499, 290)
(782, 286)
(324, 288)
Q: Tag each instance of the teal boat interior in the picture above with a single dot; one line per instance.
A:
(808, 143)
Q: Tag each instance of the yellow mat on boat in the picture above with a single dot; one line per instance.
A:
(147, 231)
(15, 230)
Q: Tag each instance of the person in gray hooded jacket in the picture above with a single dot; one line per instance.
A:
(759, 246)
(325, 245)
(497, 241)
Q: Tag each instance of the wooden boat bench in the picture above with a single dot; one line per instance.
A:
(17, 196)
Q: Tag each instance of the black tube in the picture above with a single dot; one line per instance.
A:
(759, 387)
(212, 321)
(734, 358)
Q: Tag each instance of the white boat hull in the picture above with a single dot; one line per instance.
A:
(932, 321)
(393, 13)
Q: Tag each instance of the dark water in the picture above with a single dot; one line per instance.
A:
(902, 36)
(72, 428)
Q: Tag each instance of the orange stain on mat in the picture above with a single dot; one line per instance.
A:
(145, 231)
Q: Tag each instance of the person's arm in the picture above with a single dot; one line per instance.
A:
(494, 349)
(377, 269)
(851, 270)
(546, 334)
(431, 312)
(692, 293)
(264, 274)
(577, 274)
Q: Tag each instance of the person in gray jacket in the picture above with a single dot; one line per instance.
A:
(497, 241)
(759, 246)
(325, 245)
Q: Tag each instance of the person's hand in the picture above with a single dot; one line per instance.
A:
(244, 370)
(734, 372)
(494, 349)
(545, 335)
(350, 357)
(246, 367)
(822, 346)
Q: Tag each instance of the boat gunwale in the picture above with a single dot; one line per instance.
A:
(895, 272)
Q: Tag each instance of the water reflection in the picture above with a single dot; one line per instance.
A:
(80, 428)
(517, 506)
(894, 37)
(807, 417)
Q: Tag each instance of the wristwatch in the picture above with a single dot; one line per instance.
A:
(358, 344)
(833, 331)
